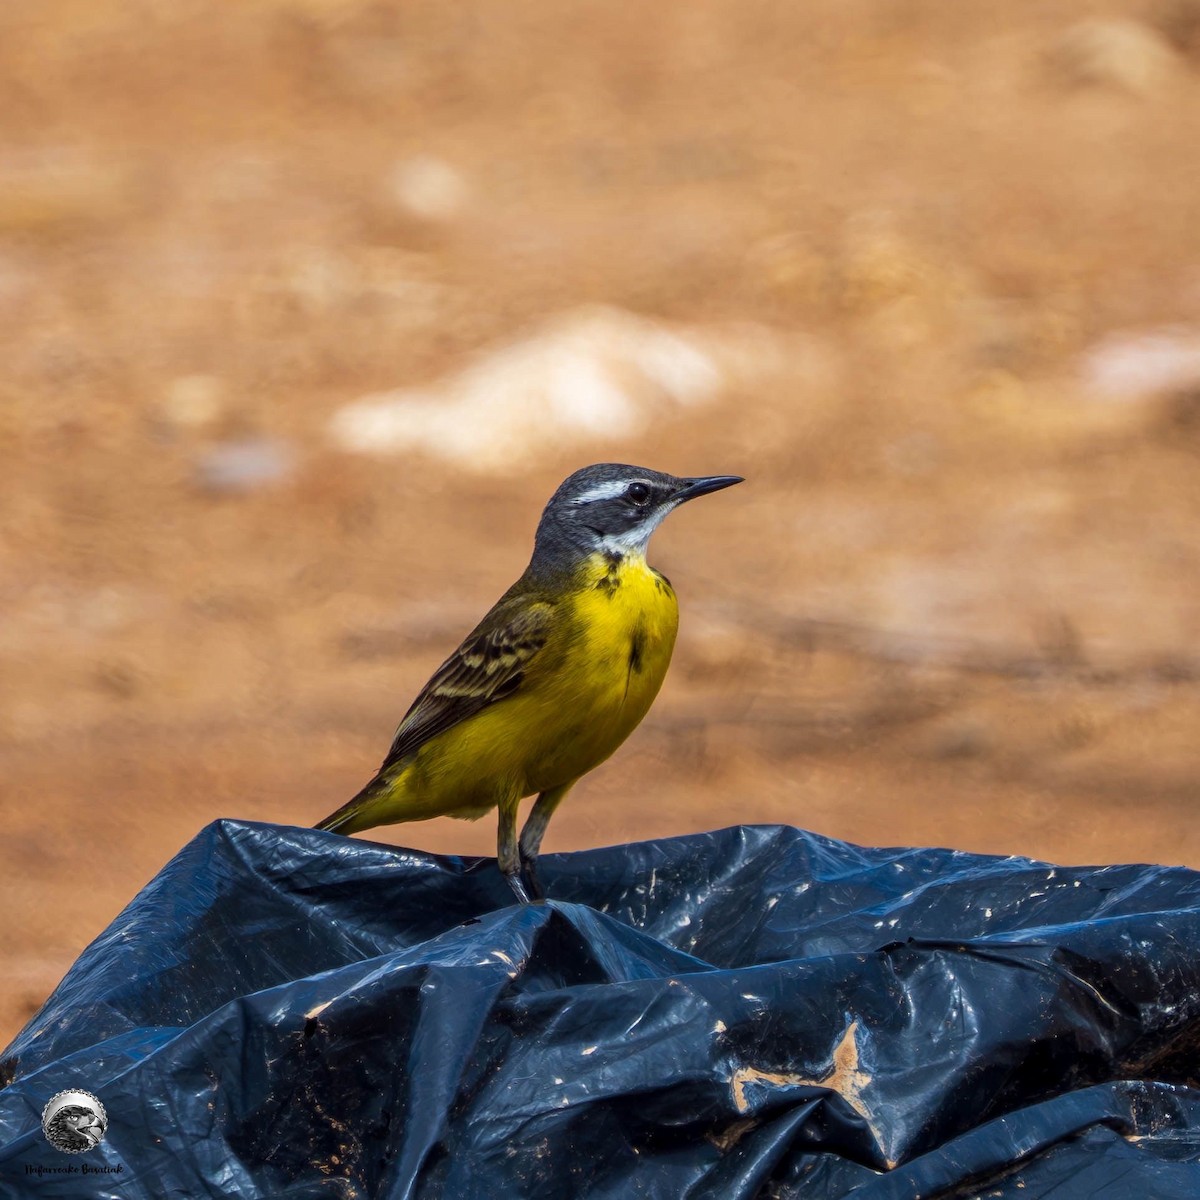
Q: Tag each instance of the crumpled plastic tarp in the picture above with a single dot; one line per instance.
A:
(754, 1012)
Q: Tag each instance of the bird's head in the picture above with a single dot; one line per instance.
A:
(614, 508)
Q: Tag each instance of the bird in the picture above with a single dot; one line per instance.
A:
(552, 681)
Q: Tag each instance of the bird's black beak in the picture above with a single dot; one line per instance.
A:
(703, 485)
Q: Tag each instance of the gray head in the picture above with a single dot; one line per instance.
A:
(613, 508)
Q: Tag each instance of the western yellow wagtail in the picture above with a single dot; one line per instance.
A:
(552, 680)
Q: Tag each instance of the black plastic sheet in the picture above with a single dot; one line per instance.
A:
(755, 1012)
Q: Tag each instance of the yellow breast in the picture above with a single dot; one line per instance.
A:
(620, 635)
(582, 696)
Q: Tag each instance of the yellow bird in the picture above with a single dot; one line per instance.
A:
(551, 681)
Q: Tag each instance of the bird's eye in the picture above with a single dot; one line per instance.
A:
(639, 493)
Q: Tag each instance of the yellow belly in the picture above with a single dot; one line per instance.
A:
(587, 690)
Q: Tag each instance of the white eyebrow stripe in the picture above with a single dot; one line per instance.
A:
(603, 491)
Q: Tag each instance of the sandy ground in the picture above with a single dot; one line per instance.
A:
(944, 262)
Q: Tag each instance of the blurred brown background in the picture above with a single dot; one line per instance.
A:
(307, 305)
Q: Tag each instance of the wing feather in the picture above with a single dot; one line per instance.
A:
(487, 667)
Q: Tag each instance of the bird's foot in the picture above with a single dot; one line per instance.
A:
(518, 887)
(532, 883)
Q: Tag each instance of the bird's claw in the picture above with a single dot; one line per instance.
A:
(533, 884)
(518, 887)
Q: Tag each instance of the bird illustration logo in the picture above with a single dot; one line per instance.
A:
(74, 1121)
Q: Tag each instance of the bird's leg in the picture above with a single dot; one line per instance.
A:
(532, 834)
(508, 857)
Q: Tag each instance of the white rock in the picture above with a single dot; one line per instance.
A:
(244, 465)
(592, 373)
(193, 401)
(1146, 363)
(1113, 52)
(428, 188)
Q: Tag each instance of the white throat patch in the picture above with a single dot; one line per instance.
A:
(634, 541)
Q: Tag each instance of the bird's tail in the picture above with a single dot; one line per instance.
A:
(353, 816)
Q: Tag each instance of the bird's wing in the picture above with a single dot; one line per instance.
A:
(488, 666)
